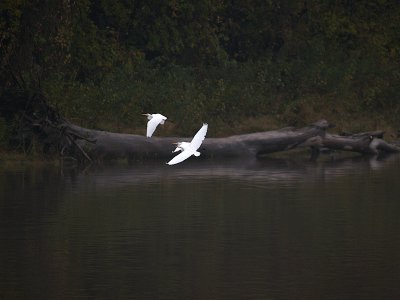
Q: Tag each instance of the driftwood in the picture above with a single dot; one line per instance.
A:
(110, 145)
(368, 143)
(35, 119)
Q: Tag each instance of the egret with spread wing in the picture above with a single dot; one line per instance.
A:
(154, 120)
(189, 149)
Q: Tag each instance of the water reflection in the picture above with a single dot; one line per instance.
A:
(263, 171)
(262, 229)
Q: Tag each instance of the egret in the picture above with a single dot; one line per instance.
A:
(189, 149)
(154, 120)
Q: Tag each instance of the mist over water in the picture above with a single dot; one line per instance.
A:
(204, 229)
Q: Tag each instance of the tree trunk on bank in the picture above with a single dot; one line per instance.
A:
(110, 145)
(368, 143)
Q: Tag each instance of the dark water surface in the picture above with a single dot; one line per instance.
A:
(270, 229)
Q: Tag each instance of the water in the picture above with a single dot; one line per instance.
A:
(269, 229)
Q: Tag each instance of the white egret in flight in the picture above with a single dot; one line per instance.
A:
(189, 149)
(154, 120)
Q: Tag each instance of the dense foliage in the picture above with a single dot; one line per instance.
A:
(104, 62)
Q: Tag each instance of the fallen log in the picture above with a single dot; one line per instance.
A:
(367, 143)
(111, 145)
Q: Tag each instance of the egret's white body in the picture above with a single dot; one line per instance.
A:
(189, 149)
(154, 120)
(180, 146)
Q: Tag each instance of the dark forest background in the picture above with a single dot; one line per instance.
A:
(241, 66)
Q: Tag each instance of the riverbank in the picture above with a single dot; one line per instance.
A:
(15, 158)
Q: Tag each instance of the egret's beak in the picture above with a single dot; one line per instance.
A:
(144, 114)
(175, 143)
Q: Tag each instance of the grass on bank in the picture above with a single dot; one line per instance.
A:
(233, 98)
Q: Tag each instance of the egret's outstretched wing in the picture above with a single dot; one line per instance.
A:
(180, 157)
(151, 126)
(199, 137)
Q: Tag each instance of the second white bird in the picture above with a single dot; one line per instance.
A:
(189, 149)
(154, 120)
